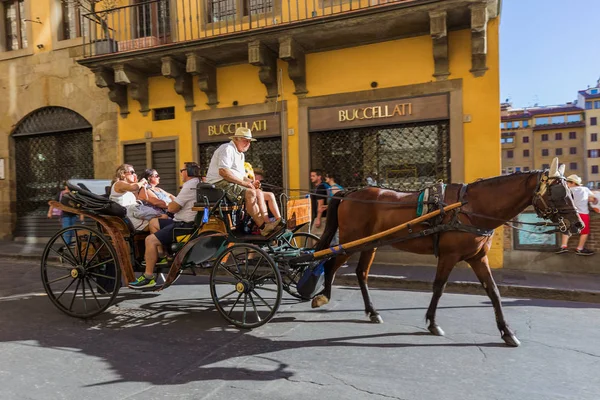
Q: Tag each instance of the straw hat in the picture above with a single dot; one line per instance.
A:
(244, 133)
(575, 179)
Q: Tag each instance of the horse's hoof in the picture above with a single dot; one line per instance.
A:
(511, 340)
(436, 330)
(376, 319)
(319, 301)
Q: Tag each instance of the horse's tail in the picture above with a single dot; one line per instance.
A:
(332, 223)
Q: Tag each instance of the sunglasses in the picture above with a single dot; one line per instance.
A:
(155, 176)
(132, 172)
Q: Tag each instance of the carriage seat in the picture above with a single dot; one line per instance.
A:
(207, 192)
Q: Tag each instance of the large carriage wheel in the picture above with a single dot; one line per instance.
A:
(82, 278)
(245, 286)
(291, 275)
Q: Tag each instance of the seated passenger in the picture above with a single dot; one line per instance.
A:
(253, 175)
(124, 192)
(226, 171)
(152, 194)
(184, 217)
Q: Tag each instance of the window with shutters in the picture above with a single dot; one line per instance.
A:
(160, 155)
(236, 10)
(14, 25)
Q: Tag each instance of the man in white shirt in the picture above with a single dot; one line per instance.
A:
(226, 171)
(581, 197)
(183, 217)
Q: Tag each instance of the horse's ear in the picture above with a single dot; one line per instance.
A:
(554, 168)
(561, 170)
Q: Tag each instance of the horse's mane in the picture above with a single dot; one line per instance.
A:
(495, 180)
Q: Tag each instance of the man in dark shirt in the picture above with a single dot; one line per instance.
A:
(317, 200)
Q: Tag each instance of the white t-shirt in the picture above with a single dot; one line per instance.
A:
(581, 196)
(127, 199)
(226, 156)
(186, 199)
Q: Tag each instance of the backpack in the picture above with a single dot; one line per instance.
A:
(312, 281)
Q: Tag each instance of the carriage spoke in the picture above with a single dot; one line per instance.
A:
(100, 264)
(239, 278)
(254, 307)
(228, 294)
(74, 294)
(63, 256)
(237, 267)
(223, 282)
(263, 277)
(69, 248)
(102, 276)
(98, 287)
(87, 248)
(84, 301)
(65, 289)
(59, 279)
(256, 267)
(245, 305)
(92, 290)
(78, 245)
(94, 256)
(263, 300)
(246, 262)
(266, 289)
(234, 304)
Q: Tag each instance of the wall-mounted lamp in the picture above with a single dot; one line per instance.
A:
(40, 46)
(97, 138)
(37, 20)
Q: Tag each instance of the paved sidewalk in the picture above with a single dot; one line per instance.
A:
(512, 283)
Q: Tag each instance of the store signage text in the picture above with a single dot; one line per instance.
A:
(374, 112)
(229, 128)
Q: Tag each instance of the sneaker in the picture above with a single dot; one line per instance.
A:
(161, 262)
(584, 252)
(562, 250)
(270, 227)
(142, 282)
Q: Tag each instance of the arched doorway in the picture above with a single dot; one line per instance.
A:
(52, 144)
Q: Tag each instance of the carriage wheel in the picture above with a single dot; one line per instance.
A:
(291, 275)
(246, 286)
(82, 278)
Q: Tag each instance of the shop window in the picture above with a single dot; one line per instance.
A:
(572, 135)
(15, 26)
(525, 139)
(525, 153)
(594, 169)
(544, 137)
(572, 150)
(558, 152)
(558, 136)
(545, 153)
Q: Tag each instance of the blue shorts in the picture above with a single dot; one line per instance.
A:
(165, 234)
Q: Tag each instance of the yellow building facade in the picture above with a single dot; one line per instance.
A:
(401, 92)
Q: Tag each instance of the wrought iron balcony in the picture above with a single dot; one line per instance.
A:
(159, 22)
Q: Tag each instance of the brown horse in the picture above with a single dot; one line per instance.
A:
(489, 204)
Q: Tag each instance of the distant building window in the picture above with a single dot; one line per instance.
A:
(558, 136)
(516, 124)
(558, 120)
(558, 152)
(589, 105)
(594, 91)
(545, 166)
(502, 125)
(574, 118)
(545, 152)
(593, 153)
(517, 169)
(594, 169)
(541, 121)
(545, 137)
(594, 137)
(525, 124)
(573, 166)
(161, 114)
(525, 139)
(71, 21)
(526, 169)
(594, 121)
(15, 27)
(509, 154)
(596, 104)
(572, 135)
(503, 172)
(572, 150)
(525, 153)
(510, 170)
(509, 125)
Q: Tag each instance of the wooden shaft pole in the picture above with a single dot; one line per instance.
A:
(359, 242)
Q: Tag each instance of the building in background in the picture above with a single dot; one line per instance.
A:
(532, 137)
(55, 123)
(589, 100)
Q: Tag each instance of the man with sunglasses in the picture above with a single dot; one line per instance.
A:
(226, 171)
(184, 216)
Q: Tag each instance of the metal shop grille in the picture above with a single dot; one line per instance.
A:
(264, 154)
(44, 161)
(404, 157)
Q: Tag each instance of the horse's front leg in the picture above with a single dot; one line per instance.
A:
(445, 265)
(362, 273)
(331, 267)
(481, 268)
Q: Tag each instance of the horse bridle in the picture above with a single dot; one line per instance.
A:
(550, 209)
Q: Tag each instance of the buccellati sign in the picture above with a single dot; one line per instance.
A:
(219, 130)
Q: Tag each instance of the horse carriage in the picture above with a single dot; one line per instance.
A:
(248, 273)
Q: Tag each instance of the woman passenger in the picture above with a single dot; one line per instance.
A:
(124, 192)
(152, 193)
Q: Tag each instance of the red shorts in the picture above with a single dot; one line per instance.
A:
(586, 221)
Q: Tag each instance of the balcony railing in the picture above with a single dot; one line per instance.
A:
(158, 22)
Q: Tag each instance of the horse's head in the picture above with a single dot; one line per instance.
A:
(553, 200)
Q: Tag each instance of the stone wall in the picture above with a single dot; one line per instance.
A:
(51, 78)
